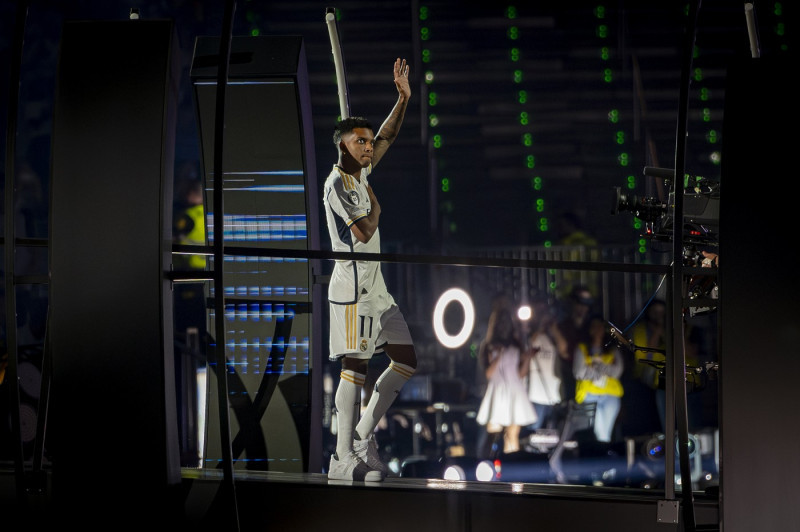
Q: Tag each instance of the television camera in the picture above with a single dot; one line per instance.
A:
(700, 226)
(700, 209)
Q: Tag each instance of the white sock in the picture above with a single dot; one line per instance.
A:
(386, 389)
(348, 406)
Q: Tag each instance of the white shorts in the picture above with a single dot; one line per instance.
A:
(365, 327)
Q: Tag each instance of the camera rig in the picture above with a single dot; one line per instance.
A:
(700, 209)
(700, 227)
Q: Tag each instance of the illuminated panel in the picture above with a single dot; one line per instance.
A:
(267, 205)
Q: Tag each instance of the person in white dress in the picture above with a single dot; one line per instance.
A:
(505, 407)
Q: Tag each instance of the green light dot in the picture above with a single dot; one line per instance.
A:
(511, 12)
(613, 116)
(433, 120)
(517, 76)
(608, 75)
(605, 53)
(698, 74)
(602, 31)
(600, 12)
(423, 13)
(453, 227)
(513, 33)
(429, 77)
(254, 32)
(623, 159)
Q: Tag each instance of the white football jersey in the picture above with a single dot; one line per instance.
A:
(346, 201)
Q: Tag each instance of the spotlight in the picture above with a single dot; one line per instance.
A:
(459, 296)
(485, 471)
(454, 472)
(524, 312)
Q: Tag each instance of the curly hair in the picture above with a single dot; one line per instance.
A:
(347, 125)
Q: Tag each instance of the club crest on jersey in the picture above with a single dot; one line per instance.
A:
(363, 344)
(354, 199)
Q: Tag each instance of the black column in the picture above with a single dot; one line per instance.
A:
(113, 430)
(759, 294)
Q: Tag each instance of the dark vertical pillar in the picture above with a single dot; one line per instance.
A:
(112, 430)
(759, 294)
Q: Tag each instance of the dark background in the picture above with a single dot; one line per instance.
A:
(459, 178)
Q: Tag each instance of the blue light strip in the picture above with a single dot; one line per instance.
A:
(254, 258)
(258, 312)
(264, 172)
(270, 188)
(264, 291)
(261, 227)
(247, 83)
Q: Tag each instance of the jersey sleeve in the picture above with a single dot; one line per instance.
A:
(347, 200)
(348, 203)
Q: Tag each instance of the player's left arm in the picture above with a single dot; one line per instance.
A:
(391, 126)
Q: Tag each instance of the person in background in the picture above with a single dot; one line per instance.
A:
(572, 327)
(505, 407)
(598, 368)
(649, 367)
(544, 374)
(651, 332)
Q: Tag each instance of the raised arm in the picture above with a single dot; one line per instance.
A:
(391, 126)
